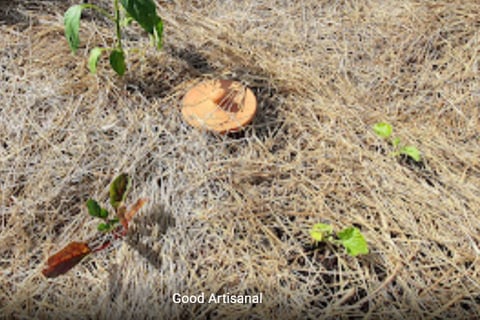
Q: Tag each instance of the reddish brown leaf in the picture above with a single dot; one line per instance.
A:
(126, 217)
(135, 208)
(65, 259)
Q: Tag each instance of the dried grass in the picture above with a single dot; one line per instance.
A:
(323, 72)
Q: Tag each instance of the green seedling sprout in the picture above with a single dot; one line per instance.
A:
(353, 240)
(125, 11)
(118, 192)
(96, 211)
(384, 130)
(116, 227)
(350, 238)
(321, 232)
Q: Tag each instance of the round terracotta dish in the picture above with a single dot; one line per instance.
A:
(219, 105)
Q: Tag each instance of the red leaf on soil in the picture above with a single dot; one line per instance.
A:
(65, 259)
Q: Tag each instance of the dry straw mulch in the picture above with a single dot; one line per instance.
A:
(324, 72)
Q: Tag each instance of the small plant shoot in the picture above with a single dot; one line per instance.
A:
(321, 231)
(74, 252)
(125, 11)
(350, 238)
(353, 240)
(412, 152)
(384, 130)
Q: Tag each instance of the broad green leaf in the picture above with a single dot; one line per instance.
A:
(353, 240)
(93, 59)
(320, 231)
(117, 61)
(383, 129)
(71, 21)
(118, 190)
(144, 12)
(94, 208)
(412, 152)
(104, 227)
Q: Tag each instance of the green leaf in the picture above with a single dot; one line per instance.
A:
(94, 208)
(353, 240)
(104, 227)
(104, 213)
(71, 20)
(118, 190)
(144, 12)
(93, 59)
(117, 61)
(320, 231)
(412, 152)
(383, 129)
(158, 34)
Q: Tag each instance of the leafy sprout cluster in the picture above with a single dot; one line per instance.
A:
(350, 238)
(74, 252)
(118, 193)
(141, 11)
(384, 130)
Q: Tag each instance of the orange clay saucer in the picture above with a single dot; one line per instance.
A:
(219, 105)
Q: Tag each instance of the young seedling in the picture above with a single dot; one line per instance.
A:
(110, 229)
(384, 130)
(142, 11)
(350, 238)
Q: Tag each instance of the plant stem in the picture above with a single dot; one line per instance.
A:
(117, 23)
(100, 10)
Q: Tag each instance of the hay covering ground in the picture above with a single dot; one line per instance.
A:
(324, 72)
